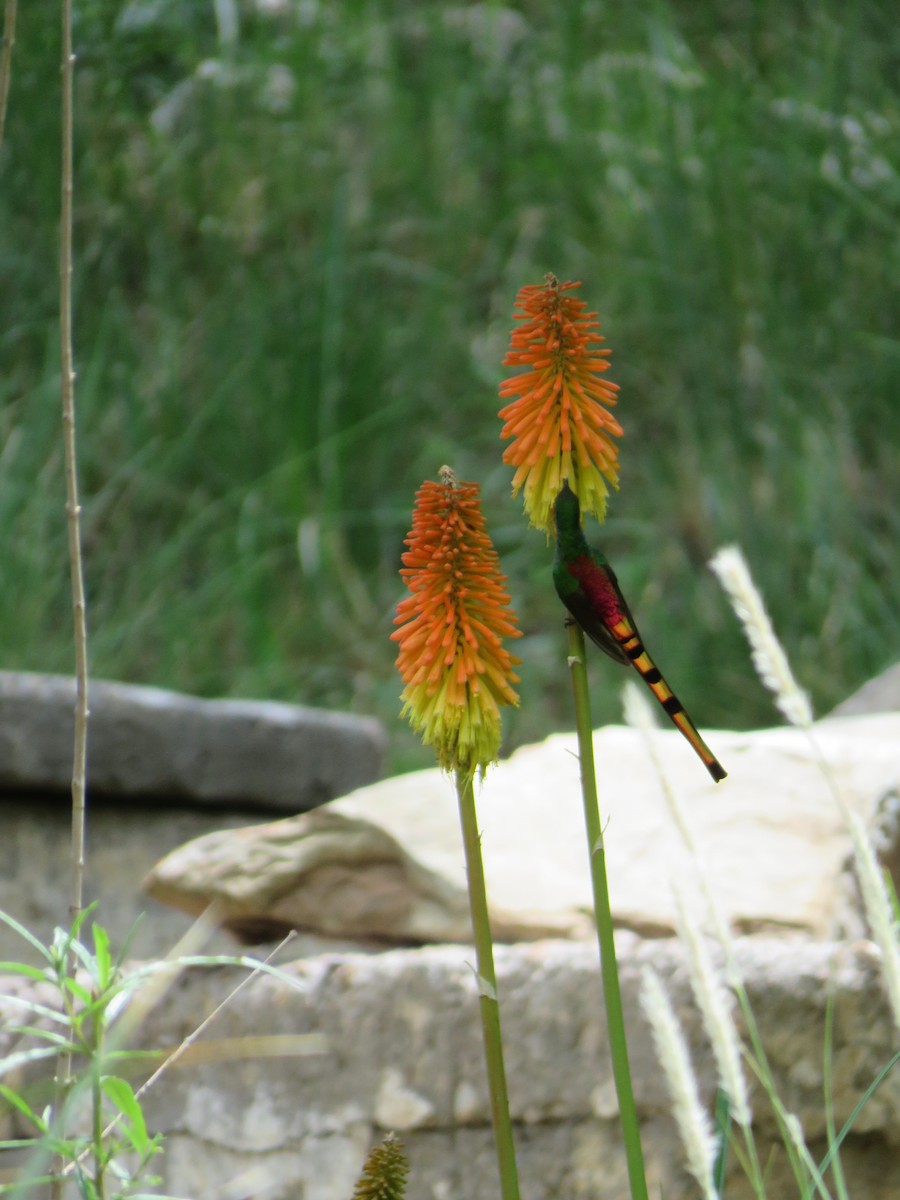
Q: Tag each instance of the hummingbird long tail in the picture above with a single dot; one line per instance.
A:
(629, 639)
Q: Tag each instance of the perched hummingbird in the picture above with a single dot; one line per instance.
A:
(590, 591)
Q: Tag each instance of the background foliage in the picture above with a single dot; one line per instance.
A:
(300, 228)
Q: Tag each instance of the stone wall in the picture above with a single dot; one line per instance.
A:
(163, 768)
(401, 1051)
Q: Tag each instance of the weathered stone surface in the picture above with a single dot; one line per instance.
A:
(123, 842)
(386, 861)
(403, 1051)
(334, 874)
(881, 694)
(159, 745)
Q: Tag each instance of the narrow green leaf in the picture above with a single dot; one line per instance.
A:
(47, 1035)
(87, 911)
(96, 1007)
(851, 1120)
(102, 957)
(13, 1189)
(66, 940)
(85, 957)
(122, 1095)
(126, 944)
(169, 966)
(86, 1187)
(19, 1102)
(40, 1010)
(232, 960)
(27, 935)
(17, 968)
(78, 990)
(892, 894)
(116, 1169)
(138, 1056)
(12, 1061)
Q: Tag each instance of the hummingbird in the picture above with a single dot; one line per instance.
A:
(588, 587)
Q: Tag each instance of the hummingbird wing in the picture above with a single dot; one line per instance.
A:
(591, 593)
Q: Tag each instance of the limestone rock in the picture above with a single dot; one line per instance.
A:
(301, 1072)
(386, 861)
(401, 1043)
(160, 745)
(329, 873)
(881, 694)
(124, 840)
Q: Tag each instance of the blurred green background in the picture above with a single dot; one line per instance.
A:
(300, 230)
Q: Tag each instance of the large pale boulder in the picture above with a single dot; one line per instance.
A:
(386, 861)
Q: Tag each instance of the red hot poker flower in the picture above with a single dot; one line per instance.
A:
(560, 425)
(452, 624)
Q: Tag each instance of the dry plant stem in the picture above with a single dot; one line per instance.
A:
(67, 67)
(9, 37)
(204, 1025)
(615, 1021)
(73, 509)
(487, 989)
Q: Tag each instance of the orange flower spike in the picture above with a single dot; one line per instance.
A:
(456, 671)
(559, 426)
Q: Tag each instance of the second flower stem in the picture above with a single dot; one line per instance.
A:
(615, 1021)
(487, 989)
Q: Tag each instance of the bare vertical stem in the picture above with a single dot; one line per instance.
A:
(73, 508)
(9, 37)
(73, 512)
(99, 1179)
(609, 970)
(487, 989)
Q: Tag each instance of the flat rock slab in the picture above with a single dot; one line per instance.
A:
(387, 862)
(160, 745)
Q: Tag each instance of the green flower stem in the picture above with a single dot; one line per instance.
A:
(487, 989)
(631, 1134)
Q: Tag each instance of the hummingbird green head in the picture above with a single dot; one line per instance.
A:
(567, 512)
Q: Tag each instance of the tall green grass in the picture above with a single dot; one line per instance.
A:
(296, 261)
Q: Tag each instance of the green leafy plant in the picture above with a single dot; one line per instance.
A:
(84, 1006)
(93, 1123)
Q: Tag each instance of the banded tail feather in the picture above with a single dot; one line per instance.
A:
(630, 641)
